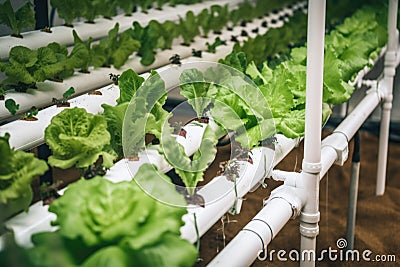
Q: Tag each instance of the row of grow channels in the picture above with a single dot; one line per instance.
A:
(94, 29)
(8, 125)
(150, 40)
(99, 77)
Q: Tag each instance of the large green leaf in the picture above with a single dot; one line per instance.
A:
(195, 89)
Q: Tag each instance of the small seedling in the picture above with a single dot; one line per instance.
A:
(114, 78)
(175, 59)
(234, 39)
(30, 115)
(196, 53)
(11, 106)
(96, 169)
(212, 47)
(64, 101)
(48, 192)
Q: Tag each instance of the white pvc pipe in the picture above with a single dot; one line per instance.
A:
(255, 236)
(63, 35)
(389, 73)
(360, 113)
(311, 165)
(333, 144)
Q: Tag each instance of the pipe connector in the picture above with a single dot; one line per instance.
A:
(289, 178)
(339, 142)
(294, 196)
(310, 167)
(309, 226)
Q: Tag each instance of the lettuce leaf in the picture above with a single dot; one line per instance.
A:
(114, 49)
(194, 87)
(81, 54)
(78, 138)
(144, 114)
(129, 82)
(188, 27)
(116, 224)
(235, 60)
(67, 9)
(126, 5)
(24, 17)
(190, 170)
(17, 169)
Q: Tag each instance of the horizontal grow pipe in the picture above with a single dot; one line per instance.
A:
(92, 103)
(83, 83)
(251, 242)
(63, 34)
(99, 77)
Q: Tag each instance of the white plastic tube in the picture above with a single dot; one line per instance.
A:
(255, 236)
(311, 165)
(389, 73)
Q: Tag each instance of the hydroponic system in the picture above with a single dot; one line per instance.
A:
(135, 98)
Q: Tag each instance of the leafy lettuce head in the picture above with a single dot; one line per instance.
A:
(78, 138)
(17, 169)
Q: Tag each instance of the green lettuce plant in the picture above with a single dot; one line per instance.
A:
(24, 17)
(17, 169)
(116, 224)
(78, 138)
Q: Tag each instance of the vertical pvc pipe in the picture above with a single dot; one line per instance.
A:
(353, 193)
(389, 72)
(309, 217)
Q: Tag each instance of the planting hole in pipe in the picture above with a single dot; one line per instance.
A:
(230, 103)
